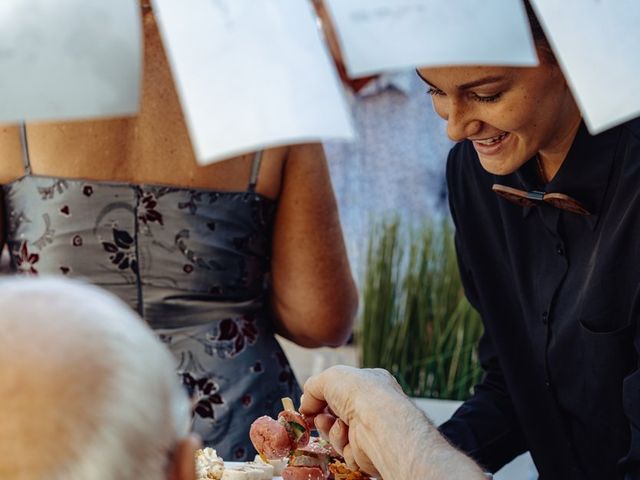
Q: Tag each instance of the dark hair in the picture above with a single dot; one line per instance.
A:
(539, 36)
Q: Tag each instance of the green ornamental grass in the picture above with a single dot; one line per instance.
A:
(415, 321)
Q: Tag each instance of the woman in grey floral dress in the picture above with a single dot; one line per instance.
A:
(217, 259)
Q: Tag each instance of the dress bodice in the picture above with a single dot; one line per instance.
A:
(193, 262)
(176, 255)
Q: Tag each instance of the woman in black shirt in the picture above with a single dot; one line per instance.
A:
(547, 231)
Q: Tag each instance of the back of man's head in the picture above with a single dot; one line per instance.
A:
(86, 390)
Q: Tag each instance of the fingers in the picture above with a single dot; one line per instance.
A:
(323, 423)
(339, 435)
(312, 402)
(355, 458)
(347, 454)
(336, 399)
(327, 388)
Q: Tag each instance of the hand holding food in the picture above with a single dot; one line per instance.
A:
(308, 458)
(365, 414)
(343, 402)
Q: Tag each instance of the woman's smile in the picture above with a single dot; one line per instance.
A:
(491, 145)
(509, 114)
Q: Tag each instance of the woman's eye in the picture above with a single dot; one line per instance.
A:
(487, 98)
(434, 91)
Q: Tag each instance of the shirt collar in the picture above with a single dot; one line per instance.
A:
(401, 81)
(584, 174)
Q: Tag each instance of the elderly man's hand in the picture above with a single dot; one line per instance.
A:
(346, 403)
(367, 418)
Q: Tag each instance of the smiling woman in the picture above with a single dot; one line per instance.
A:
(536, 275)
(554, 277)
(509, 114)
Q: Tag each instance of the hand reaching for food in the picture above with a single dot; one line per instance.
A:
(308, 458)
(343, 401)
(366, 416)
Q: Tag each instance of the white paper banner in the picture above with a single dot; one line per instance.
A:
(69, 59)
(380, 35)
(597, 43)
(251, 74)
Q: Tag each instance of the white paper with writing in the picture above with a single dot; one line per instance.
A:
(380, 35)
(251, 74)
(597, 43)
(69, 59)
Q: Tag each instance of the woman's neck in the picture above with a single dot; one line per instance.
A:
(551, 159)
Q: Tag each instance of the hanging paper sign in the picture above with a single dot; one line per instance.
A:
(382, 35)
(597, 43)
(251, 74)
(69, 59)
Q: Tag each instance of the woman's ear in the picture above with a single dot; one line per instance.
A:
(183, 459)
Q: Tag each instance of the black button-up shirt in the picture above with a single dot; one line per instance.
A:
(559, 296)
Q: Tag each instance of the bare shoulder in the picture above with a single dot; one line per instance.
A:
(306, 174)
(306, 159)
(306, 190)
(284, 167)
(11, 166)
(271, 172)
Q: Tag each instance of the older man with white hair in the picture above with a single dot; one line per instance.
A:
(86, 390)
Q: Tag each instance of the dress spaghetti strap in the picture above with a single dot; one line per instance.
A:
(255, 170)
(25, 148)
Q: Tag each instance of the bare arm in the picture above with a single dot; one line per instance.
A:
(314, 298)
(11, 167)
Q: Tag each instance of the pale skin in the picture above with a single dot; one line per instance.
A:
(314, 298)
(368, 419)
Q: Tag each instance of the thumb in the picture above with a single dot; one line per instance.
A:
(325, 389)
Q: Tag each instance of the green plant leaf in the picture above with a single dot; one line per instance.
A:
(415, 320)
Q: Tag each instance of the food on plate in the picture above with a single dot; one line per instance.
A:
(308, 458)
(266, 469)
(317, 442)
(209, 466)
(270, 438)
(309, 462)
(339, 471)
(277, 438)
(319, 460)
(303, 473)
(241, 472)
(278, 464)
(296, 427)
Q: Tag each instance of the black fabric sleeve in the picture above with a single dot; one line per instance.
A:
(485, 426)
(631, 396)
(630, 464)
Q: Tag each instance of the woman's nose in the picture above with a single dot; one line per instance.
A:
(461, 123)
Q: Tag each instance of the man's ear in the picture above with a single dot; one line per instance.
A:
(183, 459)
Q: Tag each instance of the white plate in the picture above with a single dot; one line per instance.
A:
(238, 464)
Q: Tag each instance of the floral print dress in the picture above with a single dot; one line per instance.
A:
(193, 263)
